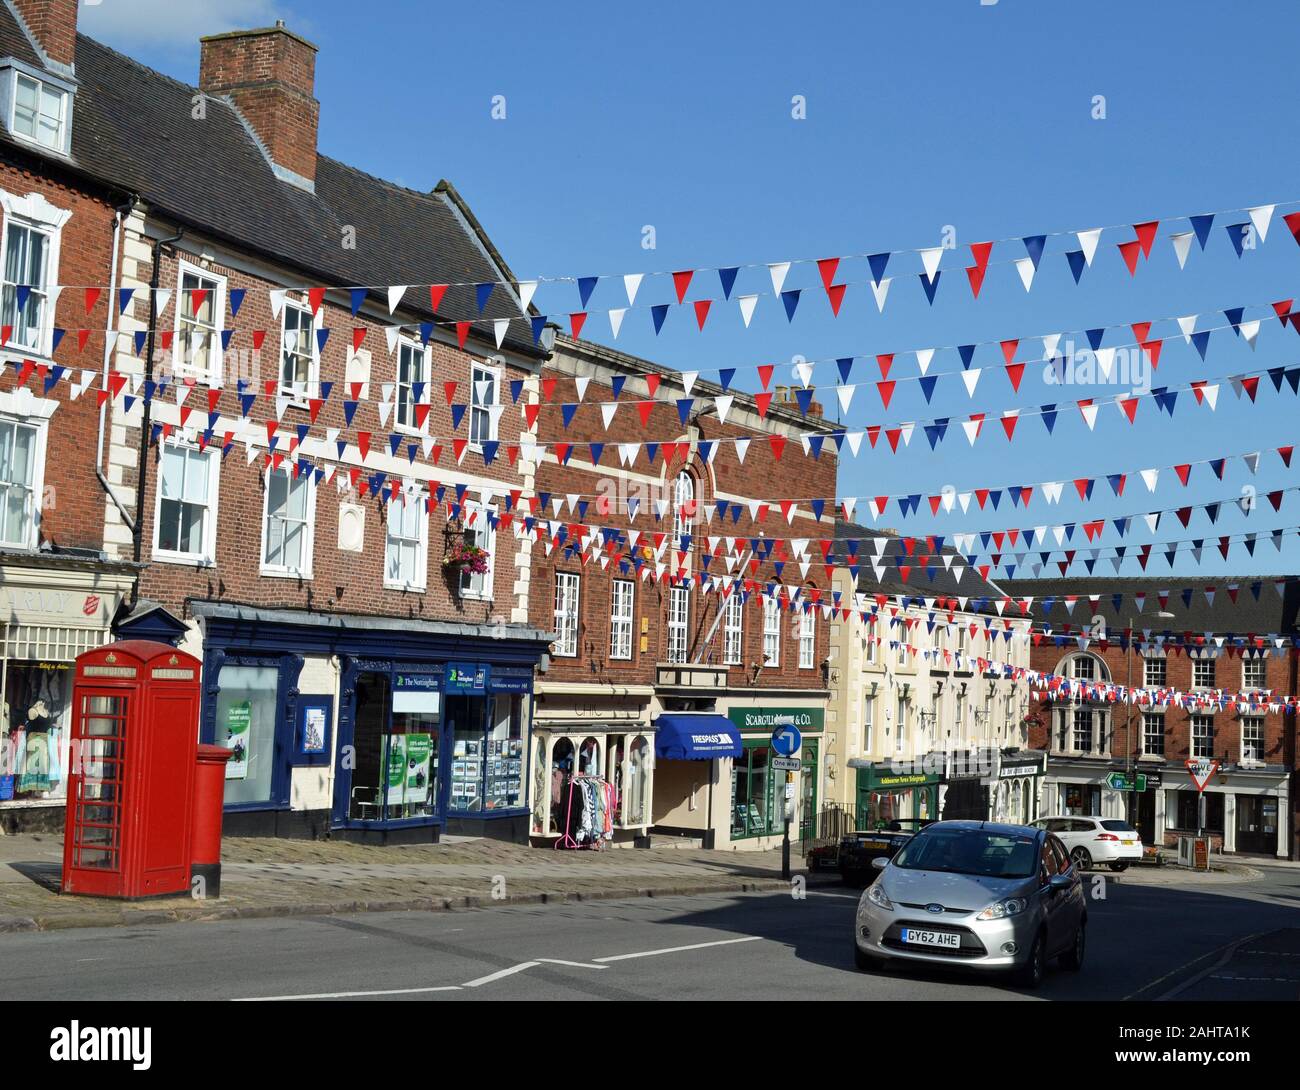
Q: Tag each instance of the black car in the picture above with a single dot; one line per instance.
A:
(857, 850)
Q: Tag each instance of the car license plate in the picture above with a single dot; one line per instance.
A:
(1129, 843)
(931, 938)
(873, 845)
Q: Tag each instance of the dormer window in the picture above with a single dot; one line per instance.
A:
(40, 112)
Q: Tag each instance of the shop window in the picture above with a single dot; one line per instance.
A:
(733, 631)
(1081, 799)
(621, 600)
(185, 513)
(771, 632)
(412, 737)
(406, 547)
(34, 731)
(541, 797)
(751, 795)
(589, 758)
(287, 524)
(412, 384)
(635, 794)
(678, 623)
(200, 303)
(503, 768)
(247, 709)
(1189, 811)
(21, 470)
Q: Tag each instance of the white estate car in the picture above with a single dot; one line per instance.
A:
(1095, 840)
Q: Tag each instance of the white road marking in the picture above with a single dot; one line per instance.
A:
(678, 949)
(575, 964)
(500, 974)
(344, 995)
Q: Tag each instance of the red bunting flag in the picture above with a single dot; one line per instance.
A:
(358, 338)
(1152, 349)
(92, 297)
(765, 374)
(83, 335)
(886, 392)
(1293, 225)
(198, 296)
(835, 293)
(259, 335)
(1251, 386)
(975, 274)
(1015, 371)
(1009, 349)
(1129, 251)
(1130, 406)
(436, 292)
(1285, 454)
(530, 415)
(644, 408)
(1146, 235)
(449, 391)
(979, 252)
(315, 296)
(778, 445)
(701, 311)
(1282, 309)
(576, 321)
(761, 403)
(682, 281)
(462, 331)
(1184, 472)
(548, 388)
(886, 361)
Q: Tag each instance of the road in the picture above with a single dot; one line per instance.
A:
(1241, 941)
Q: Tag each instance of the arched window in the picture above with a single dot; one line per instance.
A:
(1083, 725)
(683, 506)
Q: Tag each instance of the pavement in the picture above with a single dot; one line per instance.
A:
(1145, 942)
(272, 878)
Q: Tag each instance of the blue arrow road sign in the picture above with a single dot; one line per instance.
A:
(787, 741)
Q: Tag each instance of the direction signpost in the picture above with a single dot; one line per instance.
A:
(787, 742)
(1121, 781)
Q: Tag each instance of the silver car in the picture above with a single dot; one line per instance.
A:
(975, 894)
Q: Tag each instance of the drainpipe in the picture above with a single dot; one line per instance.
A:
(147, 422)
(110, 341)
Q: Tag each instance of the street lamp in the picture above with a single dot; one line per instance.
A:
(1128, 715)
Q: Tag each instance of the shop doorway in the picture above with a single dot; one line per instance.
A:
(1256, 824)
(1146, 816)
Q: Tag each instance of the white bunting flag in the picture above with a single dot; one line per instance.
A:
(1050, 343)
(607, 411)
(723, 404)
(930, 261)
(616, 320)
(804, 372)
(1182, 246)
(778, 271)
(527, 289)
(631, 284)
(1261, 216)
(1089, 415)
(1211, 395)
(688, 381)
(1252, 461)
(880, 291)
(277, 300)
(923, 358)
(1025, 267)
(972, 428)
(580, 383)
(391, 333)
(499, 328)
(742, 448)
(1088, 243)
(1249, 332)
(395, 293)
(1105, 362)
(854, 439)
(971, 378)
(747, 304)
(1149, 478)
(845, 394)
(1187, 324)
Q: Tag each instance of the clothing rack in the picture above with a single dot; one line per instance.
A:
(604, 800)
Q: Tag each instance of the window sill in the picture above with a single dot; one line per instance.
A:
(408, 588)
(281, 573)
(182, 560)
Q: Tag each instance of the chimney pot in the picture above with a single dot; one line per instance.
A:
(270, 75)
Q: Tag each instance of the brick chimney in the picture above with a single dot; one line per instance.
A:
(53, 23)
(270, 75)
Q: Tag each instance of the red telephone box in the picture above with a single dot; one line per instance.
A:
(135, 726)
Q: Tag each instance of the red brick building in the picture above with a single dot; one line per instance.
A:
(314, 470)
(58, 591)
(649, 652)
(1156, 639)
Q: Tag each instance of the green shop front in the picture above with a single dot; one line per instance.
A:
(886, 793)
(759, 791)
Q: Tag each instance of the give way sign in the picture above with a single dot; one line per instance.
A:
(1201, 769)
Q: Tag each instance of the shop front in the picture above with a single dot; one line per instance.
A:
(368, 727)
(1015, 792)
(1243, 810)
(886, 794)
(593, 765)
(759, 792)
(52, 608)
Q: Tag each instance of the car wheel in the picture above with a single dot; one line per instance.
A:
(1081, 859)
(1035, 969)
(1072, 959)
(866, 962)
(1118, 867)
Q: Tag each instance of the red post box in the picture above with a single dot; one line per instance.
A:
(135, 716)
(209, 801)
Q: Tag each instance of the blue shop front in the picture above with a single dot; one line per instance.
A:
(367, 728)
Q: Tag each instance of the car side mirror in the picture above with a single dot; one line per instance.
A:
(1059, 882)
(880, 862)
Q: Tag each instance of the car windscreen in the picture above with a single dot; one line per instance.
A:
(1116, 826)
(979, 852)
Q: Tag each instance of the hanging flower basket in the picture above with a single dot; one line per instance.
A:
(462, 557)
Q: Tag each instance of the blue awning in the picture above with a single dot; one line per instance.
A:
(696, 736)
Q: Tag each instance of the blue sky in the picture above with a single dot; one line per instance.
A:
(918, 116)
